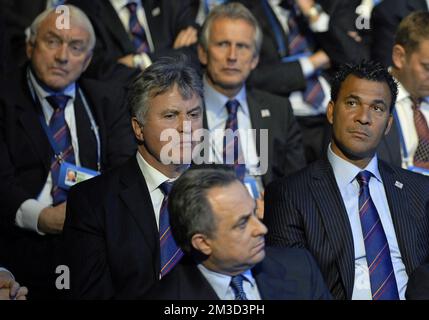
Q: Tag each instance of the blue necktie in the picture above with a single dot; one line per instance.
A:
(61, 134)
(170, 252)
(237, 287)
(381, 274)
(298, 44)
(232, 150)
(136, 29)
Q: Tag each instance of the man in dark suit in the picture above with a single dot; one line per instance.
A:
(116, 226)
(385, 19)
(229, 49)
(9, 288)
(50, 119)
(167, 27)
(214, 221)
(365, 222)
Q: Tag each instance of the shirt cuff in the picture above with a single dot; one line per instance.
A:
(321, 24)
(28, 214)
(146, 61)
(307, 67)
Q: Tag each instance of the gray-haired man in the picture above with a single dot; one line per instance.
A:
(117, 231)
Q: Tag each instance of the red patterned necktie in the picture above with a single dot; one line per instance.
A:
(421, 156)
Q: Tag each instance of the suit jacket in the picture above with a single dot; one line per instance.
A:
(284, 274)
(418, 284)
(385, 19)
(306, 210)
(285, 149)
(110, 235)
(165, 20)
(339, 47)
(25, 156)
(389, 148)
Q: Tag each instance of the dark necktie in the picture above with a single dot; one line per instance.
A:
(136, 29)
(232, 151)
(381, 274)
(298, 44)
(170, 252)
(421, 156)
(61, 135)
(237, 287)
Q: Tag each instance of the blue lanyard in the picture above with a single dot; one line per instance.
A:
(278, 33)
(401, 135)
(55, 148)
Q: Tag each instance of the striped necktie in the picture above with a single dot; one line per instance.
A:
(170, 252)
(137, 31)
(299, 44)
(232, 151)
(61, 134)
(237, 287)
(421, 156)
(381, 274)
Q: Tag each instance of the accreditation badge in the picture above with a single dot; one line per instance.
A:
(71, 175)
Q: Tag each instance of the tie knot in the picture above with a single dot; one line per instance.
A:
(132, 6)
(416, 103)
(232, 106)
(166, 187)
(363, 178)
(58, 101)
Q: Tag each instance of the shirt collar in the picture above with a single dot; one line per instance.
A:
(221, 282)
(120, 4)
(153, 177)
(345, 172)
(43, 92)
(215, 101)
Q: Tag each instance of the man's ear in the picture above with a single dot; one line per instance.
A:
(137, 128)
(202, 55)
(399, 56)
(201, 243)
(330, 112)
(29, 47)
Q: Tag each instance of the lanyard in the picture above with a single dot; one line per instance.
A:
(94, 127)
(401, 137)
(281, 45)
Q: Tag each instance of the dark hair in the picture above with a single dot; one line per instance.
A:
(159, 77)
(369, 70)
(412, 30)
(190, 211)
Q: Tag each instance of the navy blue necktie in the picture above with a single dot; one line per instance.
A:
(170, 252)
(232, 151)
(381, 274)
(137, 31)
(61, 135)
(237, 287)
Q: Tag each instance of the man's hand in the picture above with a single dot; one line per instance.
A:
(10, 289)
(320, 60)
(185, 38)
(51, 219)
(305, 5)
(127, 60)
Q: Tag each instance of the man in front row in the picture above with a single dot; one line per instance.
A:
(365, 222)
(213, 220)
(116, 231)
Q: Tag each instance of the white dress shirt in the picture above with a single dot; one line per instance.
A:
(221, 284)
(345, 176)
(28, 213)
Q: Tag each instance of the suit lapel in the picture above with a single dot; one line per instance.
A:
(334, 216)
(136, 198)
(415, 5)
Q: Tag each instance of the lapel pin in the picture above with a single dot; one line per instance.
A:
(156, 11)
(399, 184)
(265, 113)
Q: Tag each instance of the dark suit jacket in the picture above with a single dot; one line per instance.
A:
(306, 210)
(284, 274)
(165, 20)
(385, 19)
(339, 47)
(418, 284)
(285, 149)
(389, 148)
(25, 156)
(111, 237)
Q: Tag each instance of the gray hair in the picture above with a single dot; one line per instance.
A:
(76, 14)
(188, 206)
(160, 77)
(235, 11)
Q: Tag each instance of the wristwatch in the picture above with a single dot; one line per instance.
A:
(314, 11)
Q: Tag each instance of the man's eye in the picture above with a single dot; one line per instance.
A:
(169, 116)
(351, 103)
